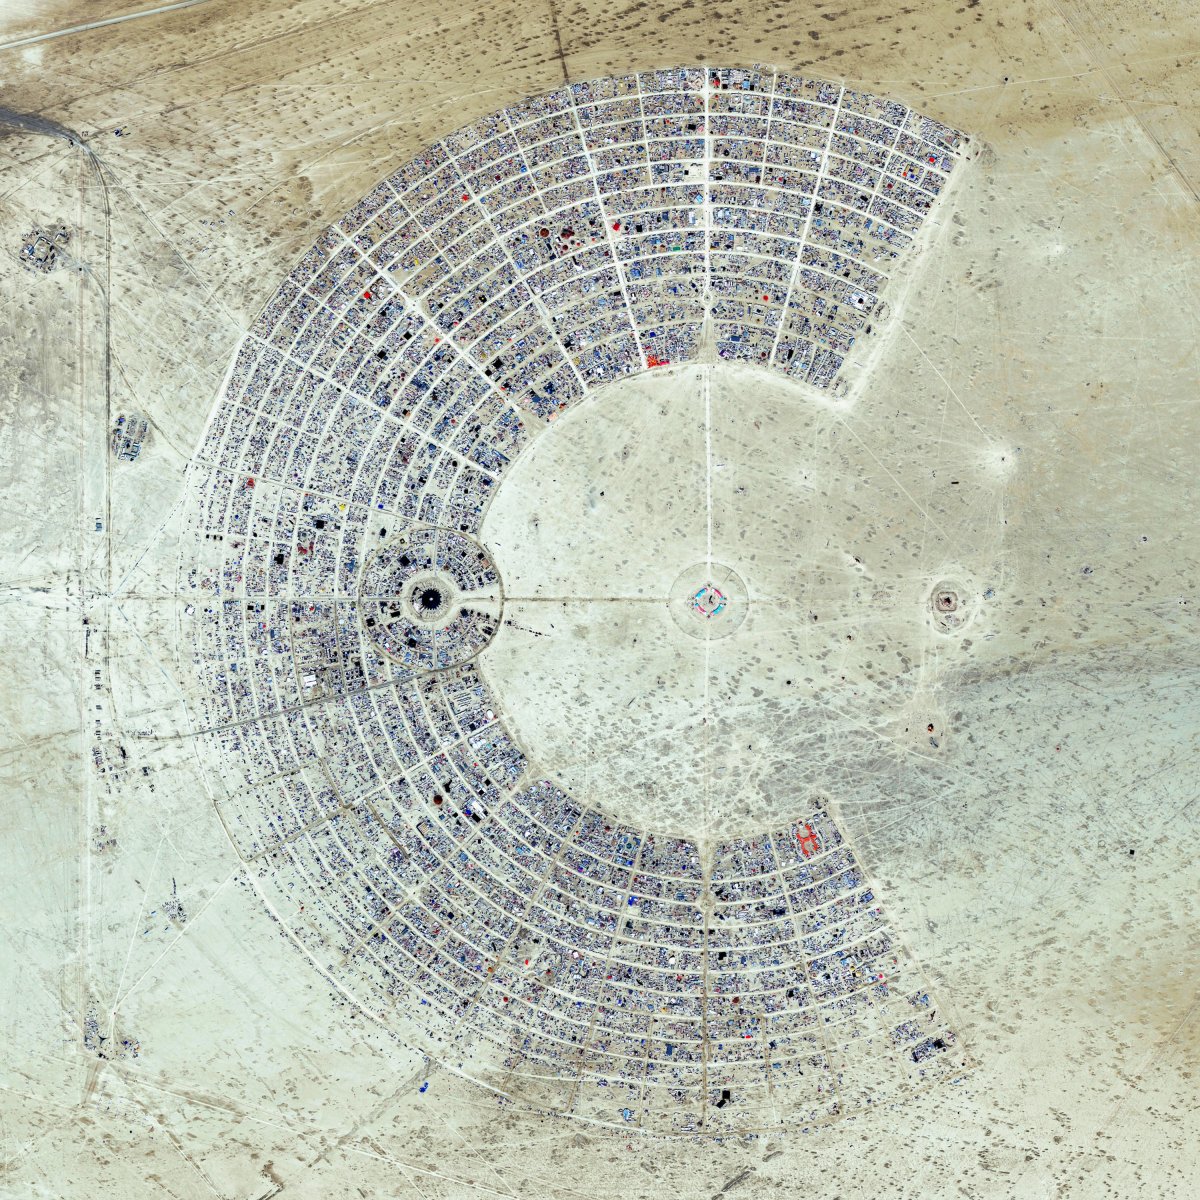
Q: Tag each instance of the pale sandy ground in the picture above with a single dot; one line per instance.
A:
(1046, 355)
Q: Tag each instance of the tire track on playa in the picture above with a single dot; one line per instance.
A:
(558, 46)
(1094, 62)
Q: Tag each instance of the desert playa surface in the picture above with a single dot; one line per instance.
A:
(523, 679)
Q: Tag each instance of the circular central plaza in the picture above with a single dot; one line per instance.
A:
(708, 600)
(691, 638)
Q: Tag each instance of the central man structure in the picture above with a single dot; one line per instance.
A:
(709, 601)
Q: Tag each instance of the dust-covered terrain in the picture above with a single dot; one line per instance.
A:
(968, 603)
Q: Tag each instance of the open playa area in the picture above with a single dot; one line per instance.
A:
(599, 602)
